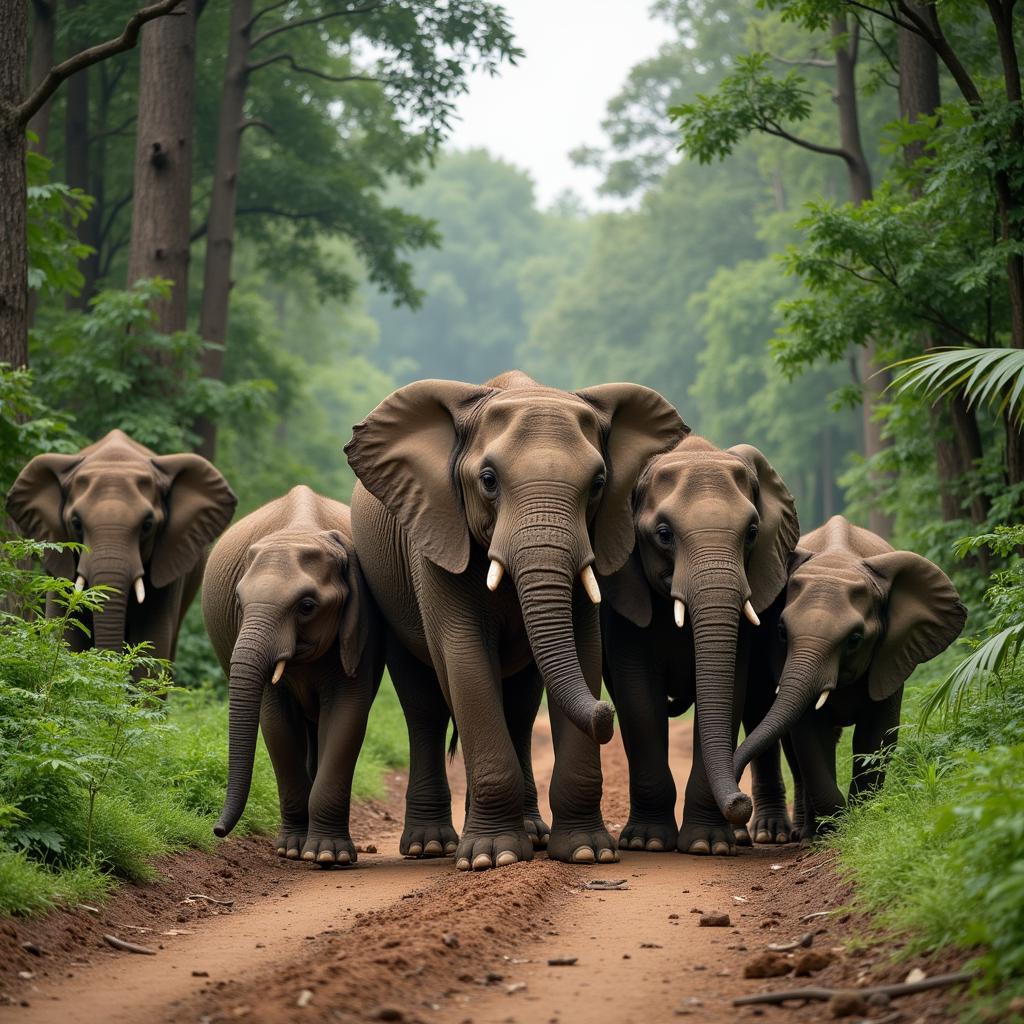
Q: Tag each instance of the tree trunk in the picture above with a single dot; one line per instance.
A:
(44, 35)
(163, 161)
(873, 379)
(220, 233)
(13, 251)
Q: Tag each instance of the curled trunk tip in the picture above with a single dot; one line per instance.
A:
(738, 808)
(602, 722)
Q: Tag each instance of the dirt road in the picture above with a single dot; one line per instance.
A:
(416, 941)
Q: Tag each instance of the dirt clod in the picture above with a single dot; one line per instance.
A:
(811, 961)
(562, 961)
(451, 940)
(848, 1004)
(714, 920)
(389, 1013)
(767, 965)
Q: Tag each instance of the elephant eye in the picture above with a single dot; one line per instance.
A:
(752, 533)
(307, 606)
(76, 523)
(489, 482)
(664, 534)
(783, 635)
(598, 485)
(854, 641)
(147, 523)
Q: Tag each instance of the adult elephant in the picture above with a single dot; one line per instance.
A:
(481, 514)
(859, 617)
(295, 630)
(715, 529)
(145, 520)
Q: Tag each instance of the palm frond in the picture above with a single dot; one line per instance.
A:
(985, 376)
(983, 665)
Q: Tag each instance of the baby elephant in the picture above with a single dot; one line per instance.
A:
(859, 617)
(293, 626)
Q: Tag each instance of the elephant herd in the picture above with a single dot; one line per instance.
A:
(505, 540)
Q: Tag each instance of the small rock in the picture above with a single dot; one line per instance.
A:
(305, 998)
(696, 910)
(649, 945)
(562, 961)
(767, 965)
(389, 1013)
(673, 917)
(516, 986)
(915, 976)
(31, 947)
(848, 1004)
(493, 976)
(713, 920)
(26, 975)
(451, 940)
(811, 961)
(880, 1000)
(200, 974)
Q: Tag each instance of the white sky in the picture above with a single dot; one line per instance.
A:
(578, 53)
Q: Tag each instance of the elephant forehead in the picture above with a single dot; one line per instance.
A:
(292, 553)
(527, 414)
(113, 480)
(686, 475)
(832, 582)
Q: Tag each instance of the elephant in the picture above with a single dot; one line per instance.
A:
(714, 532)
(295, 630)
(145, 520)
(859, 617)
(480, 516)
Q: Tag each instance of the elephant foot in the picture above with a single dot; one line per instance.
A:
(290, 842)
(583, 846)
(742, 835)
(771, 825)
(436, 840)
(329, 850)
(538, 830)
(478, 852)
(702, 839)
(658, 836)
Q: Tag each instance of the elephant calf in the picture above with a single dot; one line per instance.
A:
(293, 626)
(859, 617)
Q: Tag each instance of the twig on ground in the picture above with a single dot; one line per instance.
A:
(209, 899)
(824, 994)
(127, 947)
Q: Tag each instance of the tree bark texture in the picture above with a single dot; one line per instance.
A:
(44, 36)
(163, 161)
(220, 235)
(13, 250)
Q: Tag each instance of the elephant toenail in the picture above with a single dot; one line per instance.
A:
(281, 851)
(607, 856)
(415, 849)
(655, 845)
(636, 843)
(433, 848)
(450, 848)
(583, 855)
(462, 864)
(308, 855)
(344, 857)
(700, 846)
(763, 837)
(546, 838)
(781, 838)
(292, 854)
(481, 862)
(324, 857)
(720, 849)
(505, 858)
(535, 840)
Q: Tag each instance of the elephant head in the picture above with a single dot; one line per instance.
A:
(715, 531)
(537, 478)
(856, 611)
(139, 515)
(301, 596)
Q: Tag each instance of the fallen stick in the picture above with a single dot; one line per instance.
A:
(209, 899)
(127, 947)
(824, 994)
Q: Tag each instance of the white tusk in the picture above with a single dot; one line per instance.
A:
(590, 584)
(777, 688)
(80, 584)
(278, 672)
(679, 609)
(494, 574)
(748, 610)
(140, 590)
(822, 699)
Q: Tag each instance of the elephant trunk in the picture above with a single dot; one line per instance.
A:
(807, 672)
(544, 570)
(112, 561)
(252, 662)
(718, 592)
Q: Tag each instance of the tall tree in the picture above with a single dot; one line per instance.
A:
(44, 44)
(162, 197)
(16, 110)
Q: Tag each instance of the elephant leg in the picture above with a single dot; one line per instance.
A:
(284, 732)
(522, 694)
(815, 744)
(343, 713)
(578, 831)
(641, 703)
(770, 823)
(704, 829)
(874, 739)
(428, 830)
(799, 792)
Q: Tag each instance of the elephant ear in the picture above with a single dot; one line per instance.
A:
(924, 616)
(628, 592)
(778, 532)
(199, 505)
(354, 627)
(404, 454)
(637, 424)
(36, 503)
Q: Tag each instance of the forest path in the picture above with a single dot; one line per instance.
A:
(416, 941)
